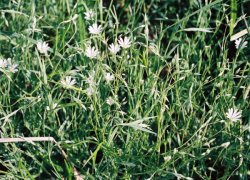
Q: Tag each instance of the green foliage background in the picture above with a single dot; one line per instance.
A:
(181, 92)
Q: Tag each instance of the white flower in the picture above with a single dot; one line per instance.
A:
(122, 113)
(8, 64)
(91, 107)
(238, 43)
(143, 125)
(73, 19)
(154, 49)
(90, 91)
(95, 29)
(125, 43)
(89, 14)
(167, 158)
(109, 77)
(110, 101)
(68, 82)
(233, 114)
(114, 48)
(175, 151)
(13, 68)
(42, 47)
(54, 105)
(91, 52)
(91, 80)
(3, 63)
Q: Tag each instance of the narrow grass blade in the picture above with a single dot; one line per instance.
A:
(26, 139)
(206, 30)
(240, 34)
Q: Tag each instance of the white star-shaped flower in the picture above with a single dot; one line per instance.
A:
(238, 42)
(233, 114)
(114, 48)
(110, 101)
(42, 47)
(91, 52)
(13, 68)
(125, 43)
(68, 82)
(90, 91)
(109, 77)
(3, 63)
(95, 29)
(89, 15)
(90, 80)
(53, 106)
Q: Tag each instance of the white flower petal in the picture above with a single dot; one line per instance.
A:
(233, 114)
(114, 48)
(95, 29)
(42, 47)
(68, 82)
(124, 43)
(91, 52)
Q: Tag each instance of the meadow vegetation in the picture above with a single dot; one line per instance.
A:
(142, 89)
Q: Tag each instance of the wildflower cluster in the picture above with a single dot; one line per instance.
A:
(7, 64)
(110, 86)
(95, 29)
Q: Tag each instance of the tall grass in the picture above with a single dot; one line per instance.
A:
(156, 110)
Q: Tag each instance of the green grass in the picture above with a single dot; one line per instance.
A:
(171, 90)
